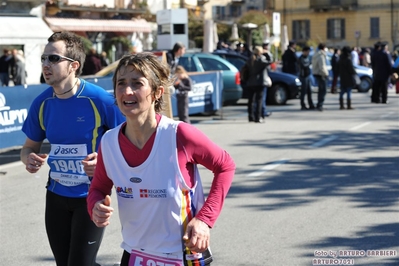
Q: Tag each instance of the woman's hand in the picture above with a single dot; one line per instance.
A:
(197, 235)
(102, 212)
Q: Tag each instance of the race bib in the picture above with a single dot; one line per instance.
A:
(66, 166)
(138, 258)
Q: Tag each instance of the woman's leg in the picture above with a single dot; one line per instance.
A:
(258, 100)
(349, 97)
(125, 258)
(251, 95)
(303, 93)
(264, 97)
(186, 116)
(341, 97)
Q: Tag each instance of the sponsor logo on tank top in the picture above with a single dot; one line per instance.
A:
(153, 193)
(124, 192)
(135, 180)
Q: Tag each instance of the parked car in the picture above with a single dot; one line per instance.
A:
(365, 74)
(201, 62)
(285, 86)
(204, 98)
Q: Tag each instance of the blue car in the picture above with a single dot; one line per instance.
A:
(204, 98)
(365, 74)
(285, 86)
(202, 62)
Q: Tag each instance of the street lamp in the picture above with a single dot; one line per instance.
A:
(249, 27)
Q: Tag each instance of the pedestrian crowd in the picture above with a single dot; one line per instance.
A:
(12, 67)
(315, 66)
(343, 66)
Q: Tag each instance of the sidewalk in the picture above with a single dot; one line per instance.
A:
(12, 155)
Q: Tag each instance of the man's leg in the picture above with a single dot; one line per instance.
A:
(309, 93)
(384, 92)
(322, 92)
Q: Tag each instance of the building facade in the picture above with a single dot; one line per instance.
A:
(341, 22)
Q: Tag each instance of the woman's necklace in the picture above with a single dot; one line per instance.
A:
(65, 92)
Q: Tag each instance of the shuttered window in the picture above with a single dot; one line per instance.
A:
(374, 27)
(335, 28)
(301, 30)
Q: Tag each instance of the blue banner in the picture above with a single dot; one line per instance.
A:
(206, 94)
(205, 97)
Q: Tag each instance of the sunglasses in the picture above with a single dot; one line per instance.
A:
(55, 58)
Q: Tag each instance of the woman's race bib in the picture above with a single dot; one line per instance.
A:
(138, 258)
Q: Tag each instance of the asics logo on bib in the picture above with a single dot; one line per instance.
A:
(65, 150)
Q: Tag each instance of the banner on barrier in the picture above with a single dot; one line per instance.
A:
(205, 97)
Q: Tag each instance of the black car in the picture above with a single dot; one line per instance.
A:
(285, 86)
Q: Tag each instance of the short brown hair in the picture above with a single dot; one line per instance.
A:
(74, 47)
(151, 67)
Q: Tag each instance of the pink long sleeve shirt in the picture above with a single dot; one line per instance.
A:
(193, 147)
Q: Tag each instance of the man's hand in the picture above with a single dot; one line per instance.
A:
(35, 161)
(197, 235)
(89, 164)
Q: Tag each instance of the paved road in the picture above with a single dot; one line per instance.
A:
(308, 184)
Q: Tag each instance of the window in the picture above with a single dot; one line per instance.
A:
(179, 29)
(188, 64)
(210, 64)
(301, 29)
(164, 29)
(336, 28)
(218, 12)
(374, 27)
(249, 8)
(235, 11)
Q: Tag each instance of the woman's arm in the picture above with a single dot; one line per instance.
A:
(101, 185)
(201, 150)
(184, 85)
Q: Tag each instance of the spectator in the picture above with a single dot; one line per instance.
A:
(346, 72)
(19, 77)
(258, 80)
(382, 71)
(269, 58)
(290, 60)
(222, 46)
(92, 64)
(366, 58)
(172, 56)
(13, 62)
(334, 68)
(396, 70)
(243, 50)
(5, 60)
(355, 56)
(320, 72)
(304, 75)
(104, 59)
(183, 85)
(377, 48)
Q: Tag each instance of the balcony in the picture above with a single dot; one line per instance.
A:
(202, 2)
(26, 1)
(325, 5)
(237, 2)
